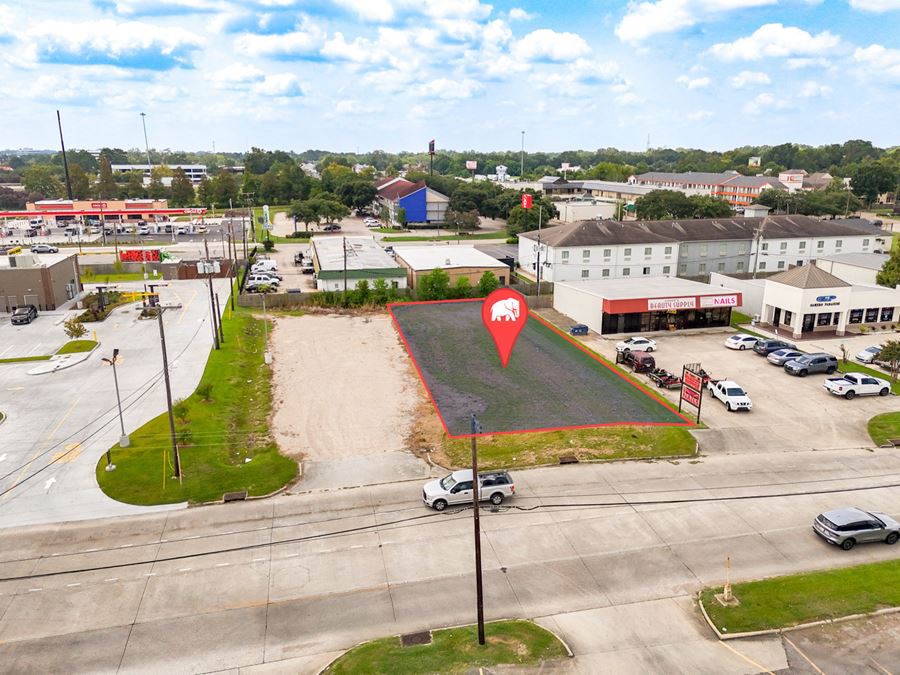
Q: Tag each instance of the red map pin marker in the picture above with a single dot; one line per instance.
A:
(504, 313)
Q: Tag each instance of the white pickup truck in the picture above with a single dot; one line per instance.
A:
(851, 385)
(731, 394)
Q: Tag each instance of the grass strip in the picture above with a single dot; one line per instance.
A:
(455, 650)
(507, 451)
(791, 600)
(114, 278)
(737, 318)
(77, 347)
(25, 359)
(222, 428)
(884, 427)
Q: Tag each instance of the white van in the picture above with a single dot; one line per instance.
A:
(264, 266)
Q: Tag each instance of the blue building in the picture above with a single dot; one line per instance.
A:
(421, 204)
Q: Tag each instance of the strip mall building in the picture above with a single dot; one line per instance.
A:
(645, 305)
(64, 212)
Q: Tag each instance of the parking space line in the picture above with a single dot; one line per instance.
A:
(880, 667)
(746, 658)
(800, 652)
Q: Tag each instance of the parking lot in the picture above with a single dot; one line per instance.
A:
(789, 413)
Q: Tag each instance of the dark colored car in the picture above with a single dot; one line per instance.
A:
(333, 227)
(24, 314)
(640, 362)
(579, 329)
(811, 363)
(766, 347)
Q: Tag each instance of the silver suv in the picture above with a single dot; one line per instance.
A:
(456, 488)
(811, 363)
(850, 526)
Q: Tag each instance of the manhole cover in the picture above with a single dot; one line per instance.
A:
(410, 639)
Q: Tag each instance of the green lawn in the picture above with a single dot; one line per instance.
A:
(454, 650)
(500, 234)
(77, 347)
(258, 228)
(25, 359)
(854, 367)
(737, 318)
(114, 278)
(506, 451)
(884, 427)
(217, 436)
(801, 598)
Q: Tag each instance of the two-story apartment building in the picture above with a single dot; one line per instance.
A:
(736, 189)
(605, 249)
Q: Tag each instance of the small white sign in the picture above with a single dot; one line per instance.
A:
(719, 301)
(658, 304)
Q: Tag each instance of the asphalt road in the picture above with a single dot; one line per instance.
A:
(292, 580)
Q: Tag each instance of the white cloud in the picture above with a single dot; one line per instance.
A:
(385, 11)
(881, 59)
(282, 84)
(807, 62)
(775, 40)
(700, 115)
(236, 76)
(166, 7)
(747, 78)
(629, 98)
(135, 98)
(519, 14)
(356, 107)
(645, 19)
(548, 45)
(578, 76)
(303, 42)
(444, 88)
(812, 89)
(876, 6)
(694, 83)
(764, 103)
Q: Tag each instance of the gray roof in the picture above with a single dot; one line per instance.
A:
(690, 177)
(611, 232)
(871, 261)
(808, 276)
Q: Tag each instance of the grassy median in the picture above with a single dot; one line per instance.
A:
(222, 428)
(884, 427)
(455, 650)
(505, 451)
(802, 598)
(77, 347)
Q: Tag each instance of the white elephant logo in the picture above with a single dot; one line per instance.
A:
(505, 310)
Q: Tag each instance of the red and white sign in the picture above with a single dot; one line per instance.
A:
(471, 164)
(504, 314)
(718, 301)
(691, 396)
(692, 380)
(194, 210)
(661, 304)
(526, 201)
(98, 205)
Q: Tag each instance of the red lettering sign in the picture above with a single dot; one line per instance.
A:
(142, 255)
(691, 396)
(692, 380)
(98, 205)
(526, 201)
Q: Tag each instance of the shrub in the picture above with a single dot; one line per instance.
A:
(74, 329)
(204, 391)
(181, 411)
(512, 240)
(298, 235)
(88, 272)
(268, 244)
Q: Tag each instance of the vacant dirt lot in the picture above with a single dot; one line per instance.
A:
(343, 386)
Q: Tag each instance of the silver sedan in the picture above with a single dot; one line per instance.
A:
(781, 356)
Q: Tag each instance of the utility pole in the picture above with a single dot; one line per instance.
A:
(212, 302)
(522, 160)
(219, 315)
(231, 247)
(479, 591)
(344, 246)
(162, 339)
(757, 238)
(540, 215)
(147, 145)
(65, 161)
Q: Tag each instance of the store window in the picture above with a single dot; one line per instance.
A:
(823, 319)
(856, 316)
(626, 272)
(667, 269)
(645, 271)
(871, 314)
(788, 316)
(836, 319)
(565, 257)
(585, 274)
(604, 273)
(887, 313)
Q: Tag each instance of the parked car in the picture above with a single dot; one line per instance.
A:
(579, 329)
(636, 344)
(731, 394)
(741, 341)
(456, 488)
(24, 314)
(869, 354)
(270, 275)
(264, 265)
(31, 233)
(201, 229)
(144, 230)
(262, 278)
(332, 227)
(781, 356)
(306, 267)
(766, 347)
(389, 250)
(44, 248)
(811, 363)
(640, 362)
(851, 385)
(183, 229)
(850, 526)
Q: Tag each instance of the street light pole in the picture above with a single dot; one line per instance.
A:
(522, 160)
(124, 441)
(146, 144)
(479, 592)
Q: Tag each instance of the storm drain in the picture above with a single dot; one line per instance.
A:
(410, 639)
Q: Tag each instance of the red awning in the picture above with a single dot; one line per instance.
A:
(105, 212)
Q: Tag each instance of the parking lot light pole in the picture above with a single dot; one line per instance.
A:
(479, 594)
(124, 441)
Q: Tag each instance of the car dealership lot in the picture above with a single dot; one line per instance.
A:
(789, 413)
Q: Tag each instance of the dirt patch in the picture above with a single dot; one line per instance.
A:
(426, 433)
(342, 386)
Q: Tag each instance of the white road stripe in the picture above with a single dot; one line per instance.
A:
(77, 583)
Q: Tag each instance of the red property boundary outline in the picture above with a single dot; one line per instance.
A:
(637, 385)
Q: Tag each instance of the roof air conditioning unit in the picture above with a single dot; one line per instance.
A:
(447, 262)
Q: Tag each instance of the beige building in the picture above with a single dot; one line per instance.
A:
(45, 281)
(457, 261)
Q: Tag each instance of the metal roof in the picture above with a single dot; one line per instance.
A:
(363, 253)
(447, 257)
(645, 287)
(808, 276)
(871, 261)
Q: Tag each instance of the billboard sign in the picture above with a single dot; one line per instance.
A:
(98, 205)
(692, 380)
(526, 201)
(471, 164)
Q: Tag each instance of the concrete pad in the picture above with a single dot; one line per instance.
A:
(596, 631)
(646, 574)
(303, 664)
(706, 558)
(609, 533)
(633, 661)
(694, 522)
(36, 614)
(319, 575)
(184, 645)
(363, 470)
(541, 589)
(96, 651)
(204, 551)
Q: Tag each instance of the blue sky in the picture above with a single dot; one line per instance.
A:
(392, 74)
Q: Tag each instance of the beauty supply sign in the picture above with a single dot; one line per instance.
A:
(663, 304)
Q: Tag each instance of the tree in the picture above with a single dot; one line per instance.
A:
(39, 178)
(461, 221)
(224, 189)
(81, 182)
(524, 220)
(357, 193)
(106, 187)
(329, 209)
(135, 187)
(890, 354)
(662, 205)
(113, 156)
(157, 190)
(205, 192)
(305, 211)
(870, 180)
(182, 189)
(705, 206)
(335, 175)
(487, 284)
(462, 288)
(435, 285)
(380, 292)
(74, 329)
(889, 275)
(361, 292)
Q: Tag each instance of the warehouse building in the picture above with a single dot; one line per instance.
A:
(857, 268)
(645, 305)
(356, 259)
(457, 261)
(45, 281)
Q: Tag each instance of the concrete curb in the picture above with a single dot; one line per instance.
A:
(62, 361)
(788, 629)
(462, 625)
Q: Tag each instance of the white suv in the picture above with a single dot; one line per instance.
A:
(456, 488)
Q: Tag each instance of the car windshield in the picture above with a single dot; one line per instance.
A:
(21, 310)
(447, 482)
(873, 350)
(735, 391)
(876, 518)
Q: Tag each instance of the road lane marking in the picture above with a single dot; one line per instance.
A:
(800, 652)
(112, 579)
(49, 483)
(77, 583)
(34, 590)
(3, 457)
(69, 454)
(880, 667)
(185, 569)
(746, 658)
(222, 564)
